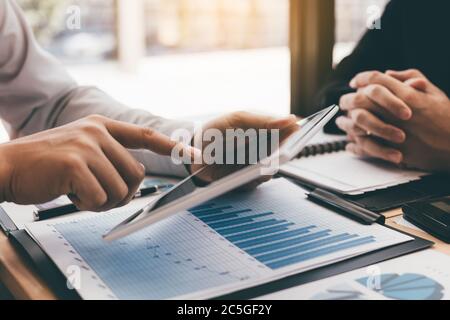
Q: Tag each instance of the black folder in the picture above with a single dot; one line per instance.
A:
(428, 187)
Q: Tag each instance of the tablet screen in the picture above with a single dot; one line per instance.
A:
(189, 192)
(189, 185)
(184, 188)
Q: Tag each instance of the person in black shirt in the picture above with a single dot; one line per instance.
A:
(399, 116)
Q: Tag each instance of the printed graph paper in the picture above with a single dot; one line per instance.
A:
(232, 241)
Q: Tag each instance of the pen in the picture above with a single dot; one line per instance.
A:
(349, 209)
(151, 190)
(45, 214)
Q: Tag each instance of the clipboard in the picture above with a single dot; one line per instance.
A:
(57, 281)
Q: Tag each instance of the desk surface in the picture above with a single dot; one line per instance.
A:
(18, 276)
(24, 283)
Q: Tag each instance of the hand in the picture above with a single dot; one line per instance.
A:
(371, 112)
(426, 132)
(86, 160)
(245, 121)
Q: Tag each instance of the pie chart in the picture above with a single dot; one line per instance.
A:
(408, 286)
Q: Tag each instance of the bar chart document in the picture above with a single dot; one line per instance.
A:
(236, 241)
(423, 275)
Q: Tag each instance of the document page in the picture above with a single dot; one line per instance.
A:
(420, 276)
(236, 241)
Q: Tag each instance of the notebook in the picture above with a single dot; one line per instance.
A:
(327, 165)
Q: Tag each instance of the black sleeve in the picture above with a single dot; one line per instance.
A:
(379, 49)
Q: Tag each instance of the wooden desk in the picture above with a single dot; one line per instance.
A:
(24, 283)
(18, 276)
(438, 244)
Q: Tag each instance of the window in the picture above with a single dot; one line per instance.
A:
(352, 20)
(199, 56)
(215, 56)
(73, 30)
(205, 25)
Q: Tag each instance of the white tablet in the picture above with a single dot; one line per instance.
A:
(187, 194)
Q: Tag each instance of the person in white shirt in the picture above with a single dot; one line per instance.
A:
(68, 139)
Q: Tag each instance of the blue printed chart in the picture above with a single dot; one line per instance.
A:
(407, 286)
(424, 275)
(232, 242)
(274, 242)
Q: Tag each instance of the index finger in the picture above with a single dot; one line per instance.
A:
(405, 74)
(132, 136)
(397, 87)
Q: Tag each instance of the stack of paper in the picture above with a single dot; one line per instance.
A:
(348, 174)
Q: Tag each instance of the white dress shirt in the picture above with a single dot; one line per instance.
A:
(36, 92)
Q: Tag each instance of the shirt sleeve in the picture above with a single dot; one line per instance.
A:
(36, 92)
(379, 49)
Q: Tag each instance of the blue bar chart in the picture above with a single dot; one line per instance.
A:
(217, 247)
(272, 241)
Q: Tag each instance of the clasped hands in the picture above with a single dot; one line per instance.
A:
(400, 117)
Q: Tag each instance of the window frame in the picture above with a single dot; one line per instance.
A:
(311, 41)
(130, 33)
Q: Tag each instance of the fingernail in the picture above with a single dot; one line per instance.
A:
(405, 114)
(340, 118)
(353, 84)
(399, 136)
(395, 157)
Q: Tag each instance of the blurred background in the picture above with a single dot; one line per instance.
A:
(184, 58)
